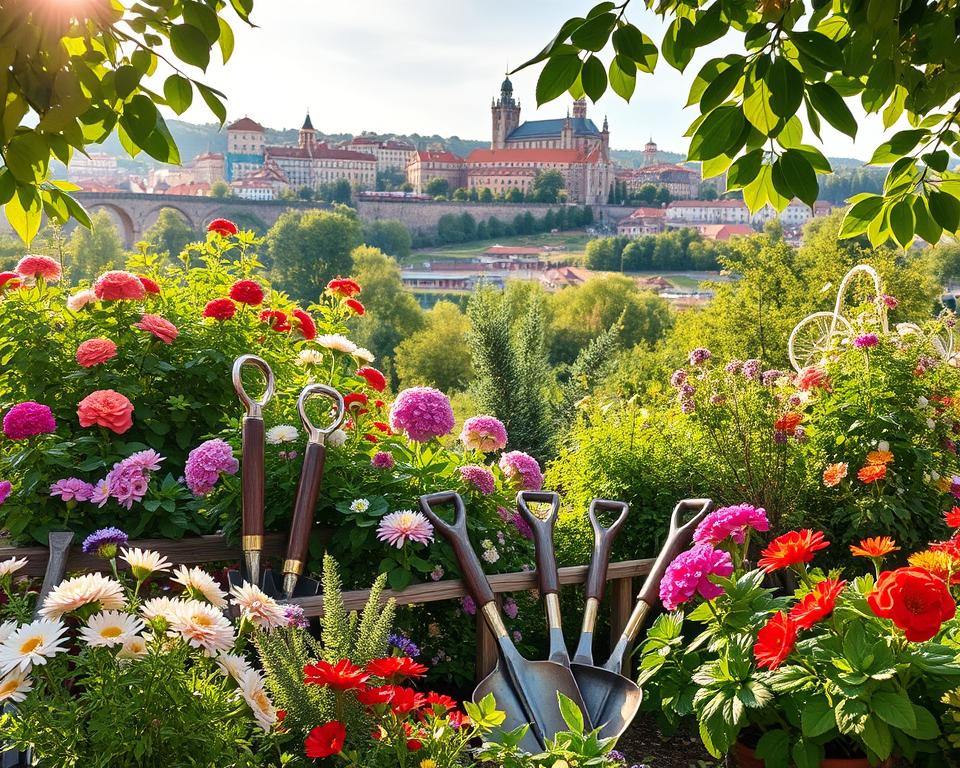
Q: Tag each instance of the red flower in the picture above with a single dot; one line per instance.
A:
(373, 377)
(222, 227)
(396, 666)
(343, 676)
(414, 744)
(458, 719)
(95, 351)
(371, 438)
(247, 292)
(304, 325)
(149, 285)
(118, 285)
(379, 403)
(872, 473)
(220, 309)
(818, 604)
(160, 327)
(344, 286)
(281, 714)
(371, 697)
(9, 277)
(917, 601)
(106, 408)
(356, 306)
(39, 266)
(813, 377)
(276, 319)
(440, 700)
(791, 549)
(325, 740)
(775, 640)
(406, 700)
(383, 427)
(355, 397)
(788, 422)
(952, 518)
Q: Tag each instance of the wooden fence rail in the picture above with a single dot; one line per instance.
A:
(213, 549)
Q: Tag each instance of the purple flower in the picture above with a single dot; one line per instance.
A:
(616, 756)
(522, 526)
(101, 492)
(866, 340)
(769, 378)
(382, 460)
(750, 369)
(104, 542)
(206, 462)
(780, 437)
(678, 378)
(504, 514)
(479, 477)
(699, 356)
(72, 489)
(468, 605)
(955, 486)
(517, 637)
(127, 483)
(405, 645)
(800, 435)
(147, 461)
(5, 488)
(511, 608)
(422, 413)
(522, 469)
(28, 420)
(686, 391)
(731, 522)
(687, 406)
(890, 302)
(295, 616)
(733, 366)
(437, 573)
(484, 433)
(690, 573)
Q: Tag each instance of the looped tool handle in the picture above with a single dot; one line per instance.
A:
(317, 434)
(254, 406)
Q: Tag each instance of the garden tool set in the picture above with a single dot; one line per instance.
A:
(527, 690)
(308, 488)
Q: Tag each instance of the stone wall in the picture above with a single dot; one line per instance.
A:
(422, 217)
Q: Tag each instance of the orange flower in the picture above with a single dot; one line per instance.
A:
(879, 546)
(791, 549)
(938, 563)
(834, 473)
(952, 518)
(879, 457)
(788, 422)
(872, 473)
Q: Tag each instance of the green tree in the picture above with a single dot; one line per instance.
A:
(486, 196)
(96, 249)
(338, 191)
(514, 195)
(305, 193)
(438, 355)
(437, 187)
(547, 185)
(308, 248)
(220, 188)
(460, 194)
(170, 233)
(450, 228)
(389, 235)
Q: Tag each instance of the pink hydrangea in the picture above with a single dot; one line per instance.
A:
(522, 526)
(479, 477)
(484, 433)
(422, 413)
(206, 462)
(690, 573)
(382, 460)
(72, 489)
(5, 488)
(28, 420)
(522, 469)
(731, 522)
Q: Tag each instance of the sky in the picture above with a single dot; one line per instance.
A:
(432, 66)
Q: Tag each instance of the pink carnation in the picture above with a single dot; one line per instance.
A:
(484, 433)
(118, 285)
(731, 522)
(160, 327)
(128, 481)
(382, 460)
(5, 488)
(28, 419)
(690, 573)
(522, 469)
(39, 267)
(205, 464)
(479, 477)
(72, 489)
(422, 413)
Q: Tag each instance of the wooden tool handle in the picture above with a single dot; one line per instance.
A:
(603, 539)
(547, 577)
(307, 491)
(252, 476)
(678, 540)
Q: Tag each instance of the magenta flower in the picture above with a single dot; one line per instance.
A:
(101, 493)
(398, 528)
(731, 522)
(699, 356)
(679, 378)
(28, 420)
(890, 302)
(469, 605)
(484, 433)
(522, 469)
(148, 460)
(127, 483)
(522, 526)
(382, 460)
(866, 340)
(72, 489)
(955, 486)
(510, 608)
(5, 488)
(733, 366)
(690, 574)
(422, 413)
(205, 463)
(479, 477)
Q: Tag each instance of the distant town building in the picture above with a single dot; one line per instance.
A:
(97, 165)
(795, 215)
(643, 221)
(681, 182)
(264, 184)
(724, 231)
(245, 143)
(435, 164)
(391, 154)
(209, 167)
(682, 212)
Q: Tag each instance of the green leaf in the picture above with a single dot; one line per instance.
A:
(24, 212)
(876, 735)
(557, 76)
(928, 229)
(139, 117)
(160, 144)
(717, 133)
(212, 99)
(786, 87)
(27, 156)
(898, 145)
(800, 176)
(828, 103)
(594, 33)
(593, 77)
(820, 48)
(756, 194)
(198, 15)
(945, 209)
(744, 169)
(8, 185)
(190, 45)
(178, 93)
(859, 216)
(623, 77)
(632, 43)
(926, 726)
(894, 708)
(807, 754)
(226, 39)
(938, 160)
(722, 86)
(571, 713)
(125, 80)
(757, 108)
(773, 748)
(902, 221)
(817, 717)
(545, 53)
(677, 46)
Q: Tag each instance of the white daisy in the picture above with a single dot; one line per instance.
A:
(233, 665)
(282, 433)
(364, 354)
(310, 357)
(134, 648)
(337, 341)
(203, 626)
(83, 590)
(359, 505)
(110, 628)
(15, 686)
(336, 438)
(199, 583)
(254, 693)
(160, 608)
(7, 629)
(32, 644)
(144, 562)
(12, 565)
(259, 607)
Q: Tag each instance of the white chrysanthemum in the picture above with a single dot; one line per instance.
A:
(203, 626)
(258, 606)
(233, 665)
(83, 590)
(134, 648)
(15, 686)
(200, 583)
(32, 644)
(110, 628)
(364, 354)
(310, 357)
(12, 565)
(7, 629)
(144, 562)
(255, 694)
(883, 445)
(337, 341)
(282, 433)
(160, 608)
(359, 505)
(336, 438)
(491, 555)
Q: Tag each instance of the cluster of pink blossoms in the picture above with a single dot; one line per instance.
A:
(690, 573)
(422, 413)
(28, 419)
(484, 433)
(127, 482)
(731, 522)
(479, 477)
(205, 463)
(522, 469)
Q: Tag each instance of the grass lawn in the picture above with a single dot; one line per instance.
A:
(574, 242)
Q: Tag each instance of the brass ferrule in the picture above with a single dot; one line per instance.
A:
(293, 567)
(590, 611)
(492, 614)
(251, 543)
(552, 602)
(636, 619)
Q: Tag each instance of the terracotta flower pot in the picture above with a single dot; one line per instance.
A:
(742, 756)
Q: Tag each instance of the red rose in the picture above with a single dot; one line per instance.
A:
(917, 601)
(118, 285)
(247, 292)
(376, 380)
(788, 422)
(344, 286)
(95, 351)
(343, 676)
(325, 740)
(222, 227)
(817, 604)
(160, 327)
(414, 744)
(281, 715)
(356, 306)
(148, 285)
(813, 377)
(355, 397)
(220, 309)
(106, 408)
(775, 641)
(792, 548)
(396, 666)
(276, 319)
(304, 324)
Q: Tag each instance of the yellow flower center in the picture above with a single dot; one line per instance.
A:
(31, 645)
(111, 632)
(9, 688)
(203, 620)
(260, 698)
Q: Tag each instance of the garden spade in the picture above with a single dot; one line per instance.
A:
(525, 690)
(251, 468)
(612, 699)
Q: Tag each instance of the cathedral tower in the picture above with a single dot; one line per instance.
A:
(580, 108)
(506, 115)
(308, 135)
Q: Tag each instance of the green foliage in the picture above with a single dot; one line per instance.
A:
(673, 250)
(337, 192)
(389, 235)
(220, 188)
(96, 249)
(548, 186)
(437, 187)
(169, 234)
(796, 56)
(437, 355)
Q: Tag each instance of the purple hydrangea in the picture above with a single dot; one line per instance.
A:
(699, 356)
(484, 433)
(510, 608)
(769, 378)
(733, 366)
(206, 462)
(104, 542)
(128, 483)
(422, 413)
(479, 477)
(522, 469)
(404, 644)
(678, 378)
(522, 526)
(382, 460)
(731, 522)
(750, 369)
(5, 488)
(72, 489)
(295, 616)
(28, 419)
(468, 605)
(690, 573)
(866, 340)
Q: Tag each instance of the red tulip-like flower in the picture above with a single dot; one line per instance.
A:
(304, 325)
(356, 306)
(325, 740)
(813, 377)
(917, 601)
(406, 700)
(342, 676)
(792, 548)
(247, 292)
(150, 286)
(371, 697)
(818, 604)
(788, 422)
(374, 378)
(276, 319)
(396, 666)
(775, 640)
(220, 309)
(344, 286)
(223, 227)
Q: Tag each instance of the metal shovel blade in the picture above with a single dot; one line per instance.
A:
(611, 699)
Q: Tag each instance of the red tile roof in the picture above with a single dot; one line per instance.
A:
(245, 124)
(707, 204)
(569, 156)
(428, 156)
(192, 188)
(648, 213)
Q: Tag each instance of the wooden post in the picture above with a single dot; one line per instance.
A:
(621, 605)
(486, 649)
